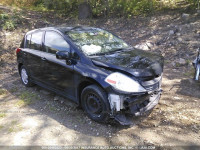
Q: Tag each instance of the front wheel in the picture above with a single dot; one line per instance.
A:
(197, 71)
(95, 103)
(25, 77)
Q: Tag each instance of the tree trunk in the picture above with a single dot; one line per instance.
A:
(84, 10)
(106, 4)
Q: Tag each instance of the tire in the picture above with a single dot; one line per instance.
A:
(95, 103)
(25, 77)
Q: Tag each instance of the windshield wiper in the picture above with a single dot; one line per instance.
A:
(109, 52)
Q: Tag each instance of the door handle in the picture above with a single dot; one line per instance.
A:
(43, 58)
(68, 62)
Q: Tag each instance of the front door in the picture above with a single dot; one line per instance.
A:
(57, 73)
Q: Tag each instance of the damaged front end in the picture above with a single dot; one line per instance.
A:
(135, 79)
(125, 106)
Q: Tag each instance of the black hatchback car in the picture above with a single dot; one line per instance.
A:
(94, 68)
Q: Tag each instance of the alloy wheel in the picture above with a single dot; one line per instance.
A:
(24, 76)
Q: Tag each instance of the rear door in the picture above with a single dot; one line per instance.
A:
(32, 53)
(57, 73)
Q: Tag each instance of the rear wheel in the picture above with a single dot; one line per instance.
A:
(25, 77)
(95, 103)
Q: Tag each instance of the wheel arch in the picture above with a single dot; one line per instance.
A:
(85, 83)
(19, 66)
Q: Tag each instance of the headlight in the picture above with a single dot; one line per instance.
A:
(123, 83)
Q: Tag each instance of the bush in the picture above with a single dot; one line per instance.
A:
(10, 21)
(9, 25)
(20, 3)
(3, 16)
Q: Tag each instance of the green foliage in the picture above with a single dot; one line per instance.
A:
(2, 91)
(61, 6)
(14, 127)
(9, 25)
(125, 8)
(7, 22)
(4, 16)
(2, 115)
(11, 20)
(26, 98)
(20, 3)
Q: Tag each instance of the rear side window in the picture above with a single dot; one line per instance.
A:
(28, 41)
(55, 42)
(36, 41)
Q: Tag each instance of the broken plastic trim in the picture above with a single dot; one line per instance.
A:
(116, 102)
(123, 119)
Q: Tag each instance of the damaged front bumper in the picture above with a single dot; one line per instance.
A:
(125, 107)
(135, 106)
(139, 106)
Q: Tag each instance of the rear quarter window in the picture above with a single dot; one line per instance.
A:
(22, 43)
(36, 41)
(27, 41)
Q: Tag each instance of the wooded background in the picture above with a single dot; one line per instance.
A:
(99, 8)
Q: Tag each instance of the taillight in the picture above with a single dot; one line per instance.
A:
(18, 50)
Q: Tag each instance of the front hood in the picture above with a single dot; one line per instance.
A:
(137, 62)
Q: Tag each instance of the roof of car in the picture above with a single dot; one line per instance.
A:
(65, 29)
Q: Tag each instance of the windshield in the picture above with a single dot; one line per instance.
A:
(95, 41)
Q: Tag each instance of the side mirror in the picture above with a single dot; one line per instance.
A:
(62, 55)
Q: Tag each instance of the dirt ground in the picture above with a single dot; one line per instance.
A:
(34, 116)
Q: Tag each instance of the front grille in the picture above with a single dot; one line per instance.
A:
(152, 85)
(148, 78)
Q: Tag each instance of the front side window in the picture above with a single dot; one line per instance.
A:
(36, 41)
(55, 42)
(94, 41)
